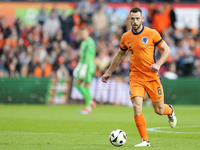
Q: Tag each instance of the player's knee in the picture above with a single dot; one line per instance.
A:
(136, 107)
(137, 110)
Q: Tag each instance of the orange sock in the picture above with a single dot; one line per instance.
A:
(141, 126)
(168, 110)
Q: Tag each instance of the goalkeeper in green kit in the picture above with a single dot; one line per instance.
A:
(85, 70)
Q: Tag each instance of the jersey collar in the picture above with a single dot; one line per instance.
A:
(138, 32)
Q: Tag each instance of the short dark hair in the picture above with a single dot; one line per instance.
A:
(135, 9)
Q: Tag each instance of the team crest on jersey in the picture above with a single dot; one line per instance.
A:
(145, 40)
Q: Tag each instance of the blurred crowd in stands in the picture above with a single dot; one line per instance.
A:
(51, 47)
(115, 1)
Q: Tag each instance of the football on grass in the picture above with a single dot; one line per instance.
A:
(118, 137)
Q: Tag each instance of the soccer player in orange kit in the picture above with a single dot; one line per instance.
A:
(140, 42)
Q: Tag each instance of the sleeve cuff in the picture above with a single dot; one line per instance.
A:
(123, 49)
(159, 42)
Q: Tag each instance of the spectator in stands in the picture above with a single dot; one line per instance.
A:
(42, 16)
(73, 23)
(102, 60)
(3, 72)
(64, 24)
(151, 12)
(197, 48)
(169, 31)
(100, 3)
(62, 71)
(26, 56)
(161, 20)
(20, 46)
(29, 37)
(135, 3)
(85, 19)
(42, 52)
(84, 4)
(197, 56)
(71, 56)
(115, 21)
(46, 67)
(55, 10)
(34, 67)
(4, 28)
(172, 15)
(99, 22)
(12, 38)
(45, 38)
(18, 24)
(12, 72)
(24, 71)
(52, 25)
(2, 41)
(186, 55)
(171, 63)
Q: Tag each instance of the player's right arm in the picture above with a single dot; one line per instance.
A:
(158, 41)
(114, 63)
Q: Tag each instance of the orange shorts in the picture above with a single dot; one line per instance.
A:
(153, 88)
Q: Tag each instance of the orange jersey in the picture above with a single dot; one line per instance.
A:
(141, 47)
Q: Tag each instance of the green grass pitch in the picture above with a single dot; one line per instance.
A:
(42, 127)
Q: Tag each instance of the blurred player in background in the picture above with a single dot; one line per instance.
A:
(140, 42)
(85, 70)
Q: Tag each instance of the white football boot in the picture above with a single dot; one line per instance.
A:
(143, 143)
(172, 118)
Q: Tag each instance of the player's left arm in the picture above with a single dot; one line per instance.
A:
(166, 53)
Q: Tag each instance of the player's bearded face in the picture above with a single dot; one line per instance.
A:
(136, 20)
(136, 26)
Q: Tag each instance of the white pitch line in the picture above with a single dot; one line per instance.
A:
(157, 129)
(154, 129)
